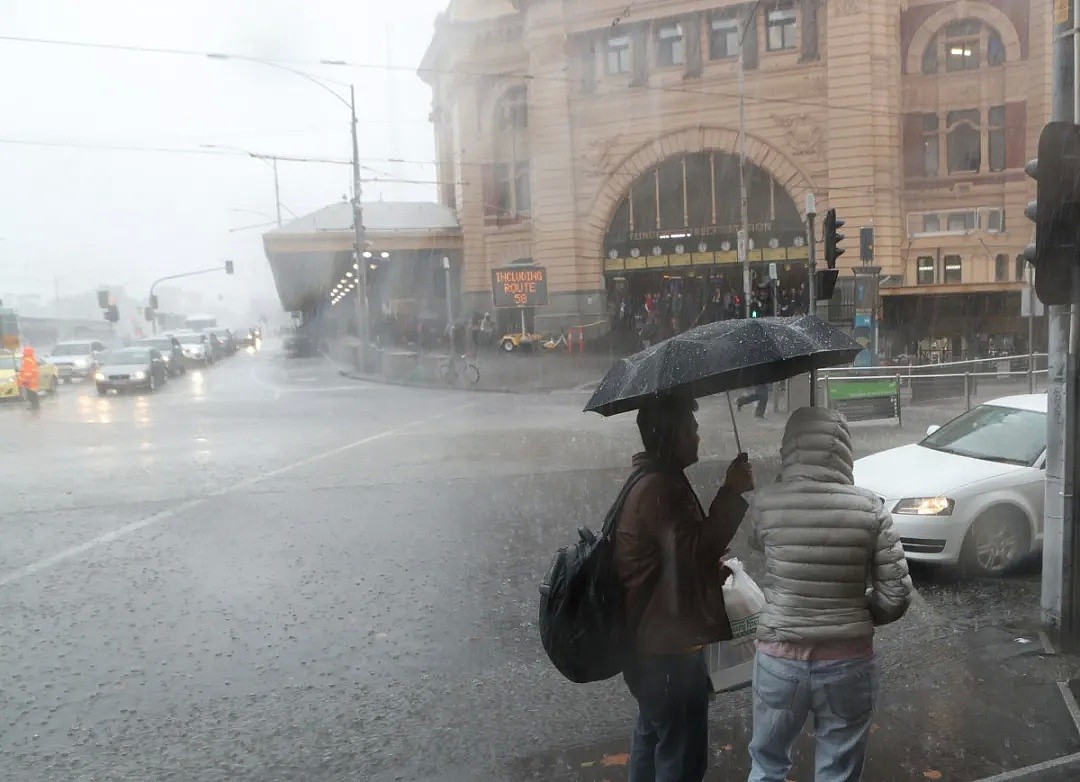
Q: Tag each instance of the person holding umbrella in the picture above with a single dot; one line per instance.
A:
(667, 555)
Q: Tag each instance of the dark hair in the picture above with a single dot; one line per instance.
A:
(658, 421)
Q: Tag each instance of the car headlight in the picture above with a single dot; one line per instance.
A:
(138, 375)
(925, 506)
(99, 376)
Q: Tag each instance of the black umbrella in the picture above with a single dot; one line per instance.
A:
(723, 356)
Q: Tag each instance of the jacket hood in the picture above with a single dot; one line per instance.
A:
(817, 447)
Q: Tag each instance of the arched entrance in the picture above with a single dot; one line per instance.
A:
(670, 249)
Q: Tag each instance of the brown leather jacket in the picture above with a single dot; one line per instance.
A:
(667, 555)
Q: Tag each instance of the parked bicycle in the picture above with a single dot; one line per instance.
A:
(458, 369)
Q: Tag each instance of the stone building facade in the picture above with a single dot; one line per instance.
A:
(602, 142)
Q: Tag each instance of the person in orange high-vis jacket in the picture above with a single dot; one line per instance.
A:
(29, 379)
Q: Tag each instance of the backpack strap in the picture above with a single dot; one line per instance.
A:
(616, 509)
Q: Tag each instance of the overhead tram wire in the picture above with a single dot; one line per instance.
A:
(817, 105)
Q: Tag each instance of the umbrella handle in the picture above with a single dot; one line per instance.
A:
(734, 423)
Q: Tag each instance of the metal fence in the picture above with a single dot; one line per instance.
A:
(1001, 375)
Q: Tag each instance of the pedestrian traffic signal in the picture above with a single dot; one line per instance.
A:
(1055, 212)
(228, 267)
(832, 238)
(866, 243)
(112, 314)
(825, 283)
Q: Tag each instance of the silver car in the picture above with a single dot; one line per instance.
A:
(75, 358)
(140, 368)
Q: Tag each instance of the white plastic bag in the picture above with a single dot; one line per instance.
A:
(731, 663)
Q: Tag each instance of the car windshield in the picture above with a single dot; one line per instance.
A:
(190, 339)
(160, 344)
(993, 433)
(127, 356)
(72, 349)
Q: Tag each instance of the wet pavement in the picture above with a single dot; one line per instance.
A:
(270, 572)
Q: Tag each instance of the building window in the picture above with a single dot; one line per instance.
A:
(996, 137)
(961, 222)
(931, 223)
(618, 55)
(964, 143)
(961, 46)
(1021, 268)
(522, 190)
(724, 34)
(780, 21)
(952, 269)
(930, 145)
(995, 49)
(513, 110)
(670, 47)
(509, 178)
(992, 219)
(1001, 267)
(925, 266)
(930, 56)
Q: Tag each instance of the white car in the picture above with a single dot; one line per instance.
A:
(971, 492)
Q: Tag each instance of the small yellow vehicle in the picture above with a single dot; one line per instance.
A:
(9, 370)
(522, 342)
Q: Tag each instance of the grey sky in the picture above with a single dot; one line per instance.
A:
(84, 217)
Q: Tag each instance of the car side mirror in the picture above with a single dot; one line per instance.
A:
(931, 429)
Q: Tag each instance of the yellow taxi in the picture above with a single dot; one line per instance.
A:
(9, 370)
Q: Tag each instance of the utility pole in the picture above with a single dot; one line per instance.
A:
(1061, 548)
(360, 263)
(277, 193)
(744, 220)
(811, 285)
(811, 254)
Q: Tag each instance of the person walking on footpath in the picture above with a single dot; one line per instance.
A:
(834, 570)
(29, 379)
(760, 394)
(667, 558)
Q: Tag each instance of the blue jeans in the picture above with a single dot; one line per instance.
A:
(841, 696)
(671, 738)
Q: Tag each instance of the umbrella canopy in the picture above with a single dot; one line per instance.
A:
(723, 356)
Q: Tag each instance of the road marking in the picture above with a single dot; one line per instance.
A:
(25, 571)
(1020, 773)
(1047, 646)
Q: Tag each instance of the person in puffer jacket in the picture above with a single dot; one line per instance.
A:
(834, 570)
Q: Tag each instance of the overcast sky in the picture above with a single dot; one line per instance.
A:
(77, 217)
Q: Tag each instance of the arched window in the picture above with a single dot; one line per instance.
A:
(508, 190)
(964, 147)
(964, 45)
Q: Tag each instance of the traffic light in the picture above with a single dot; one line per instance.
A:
(148, 313)
(153, 301)
(228, 267)
(1055, 212)
(833, 238)
(112, 314)
(103, 299)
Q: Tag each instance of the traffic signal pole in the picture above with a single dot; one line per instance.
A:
(1061, 544)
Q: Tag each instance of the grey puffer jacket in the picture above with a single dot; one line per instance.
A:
(834, 565)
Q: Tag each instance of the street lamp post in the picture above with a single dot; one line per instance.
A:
(358, 211)
(270, 160)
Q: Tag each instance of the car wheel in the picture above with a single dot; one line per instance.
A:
(996, 542)
(102, 391)
(53, 386)
(151, 384)
(507, 345)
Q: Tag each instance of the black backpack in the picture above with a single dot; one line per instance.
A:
(582, 624)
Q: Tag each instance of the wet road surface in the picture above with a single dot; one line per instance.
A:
(266, 571)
